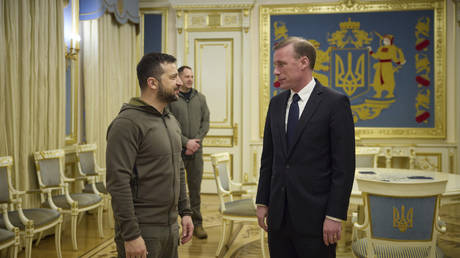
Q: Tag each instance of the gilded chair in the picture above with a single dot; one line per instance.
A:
(233, 210)
(238, 189)
(55, 192)
(28, 221)
(88, 168)
(401, 218)
(9, 239)
(366, 157)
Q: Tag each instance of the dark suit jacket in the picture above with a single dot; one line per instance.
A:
(314, 177)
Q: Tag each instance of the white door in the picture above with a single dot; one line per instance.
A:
(215, 58)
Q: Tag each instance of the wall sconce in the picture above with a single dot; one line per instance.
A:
(71, 53)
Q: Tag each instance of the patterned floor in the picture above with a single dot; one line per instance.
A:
(250, 247)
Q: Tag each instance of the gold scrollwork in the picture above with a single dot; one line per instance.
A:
(218, 141)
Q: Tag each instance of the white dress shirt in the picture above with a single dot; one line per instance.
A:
(304, 95)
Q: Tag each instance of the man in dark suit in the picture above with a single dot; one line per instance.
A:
(308, 159)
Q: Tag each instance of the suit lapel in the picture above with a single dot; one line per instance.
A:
(281, 128)
(309, 110)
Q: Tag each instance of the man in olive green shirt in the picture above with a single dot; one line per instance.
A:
(145, 172)
(192, 113)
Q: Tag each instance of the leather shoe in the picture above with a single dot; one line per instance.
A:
(199, 232)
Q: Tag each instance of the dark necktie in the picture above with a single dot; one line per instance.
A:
(293, 118)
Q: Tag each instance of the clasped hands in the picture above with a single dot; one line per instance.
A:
(192, 146)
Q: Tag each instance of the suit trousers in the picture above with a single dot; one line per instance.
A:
(194, 168)
(288, 242)
(161, 241)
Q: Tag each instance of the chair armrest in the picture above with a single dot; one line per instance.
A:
(33, 191)
(238, 192)
(17, 194)
(99, 169)
(249, 184)
(50, 199)
(68, 198)
(80, 178)
(6, 219)
(354, 217)
(441, 225)
(68, 179)
(24, 220)
(356, 226)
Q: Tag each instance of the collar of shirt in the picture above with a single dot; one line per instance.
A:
(304, 95)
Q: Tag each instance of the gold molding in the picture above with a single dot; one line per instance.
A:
(438, 157)
(211, 29)
(228, 44)
(219, 7)
(218, 141)
(72, 138)
(164, 34)
(254, 164)
(439, 8)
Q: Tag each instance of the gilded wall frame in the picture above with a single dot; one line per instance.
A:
(437, 127)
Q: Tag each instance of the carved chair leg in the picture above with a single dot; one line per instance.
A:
(100, 211)
(73, 222)
(231, 234)
(110, 212)
(15, 251)
(40, 235)
(80, 217)
(262, 242)
(57, 239)
(222, 238)
(28, 244)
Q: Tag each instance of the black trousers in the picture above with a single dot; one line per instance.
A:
(287, 242)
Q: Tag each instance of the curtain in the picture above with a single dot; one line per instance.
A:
(32, 84)
(109, 78)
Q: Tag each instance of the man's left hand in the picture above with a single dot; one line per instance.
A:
(331, 231)
(187, 229)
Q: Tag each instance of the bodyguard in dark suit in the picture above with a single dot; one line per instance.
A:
(308, 159)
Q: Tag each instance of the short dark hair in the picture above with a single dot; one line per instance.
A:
(150, 66)
(302, 47)
(182, 68)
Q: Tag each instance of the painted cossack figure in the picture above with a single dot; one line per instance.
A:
(384, 78)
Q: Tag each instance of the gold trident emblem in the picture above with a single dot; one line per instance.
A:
(348, 79)
(403, 222)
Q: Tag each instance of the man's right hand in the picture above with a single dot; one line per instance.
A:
(136, 248)
(262, 213)
(192, 146)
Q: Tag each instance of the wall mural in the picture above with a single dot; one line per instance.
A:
(387, 58)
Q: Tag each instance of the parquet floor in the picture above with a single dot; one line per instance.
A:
(245, 245)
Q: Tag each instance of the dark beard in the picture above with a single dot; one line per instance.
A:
(165, 96)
